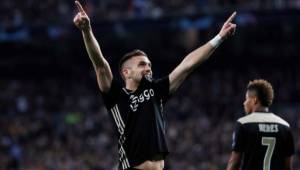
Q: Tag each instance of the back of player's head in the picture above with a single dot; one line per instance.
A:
(263, 91)
(129, 55)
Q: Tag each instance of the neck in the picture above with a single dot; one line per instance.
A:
(131, 85)
(261, 109)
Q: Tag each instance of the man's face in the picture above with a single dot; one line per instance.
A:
(250, 102)
(136, 67)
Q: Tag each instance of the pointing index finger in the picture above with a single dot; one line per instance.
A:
(79, 7)
(231, 17)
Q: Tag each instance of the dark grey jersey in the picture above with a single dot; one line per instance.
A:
(139, 120)
(265, 141)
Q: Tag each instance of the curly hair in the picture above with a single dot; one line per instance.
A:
(264, 91)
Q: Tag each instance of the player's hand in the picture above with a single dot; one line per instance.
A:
(81, 20)
(228, 28)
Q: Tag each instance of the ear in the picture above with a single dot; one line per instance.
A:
(255, 100)
(125, 72)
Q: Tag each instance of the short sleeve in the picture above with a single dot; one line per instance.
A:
(290, 144)
(110, 97)
(238, 141)
(161, 87)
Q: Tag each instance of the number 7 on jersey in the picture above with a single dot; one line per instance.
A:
(270, 142)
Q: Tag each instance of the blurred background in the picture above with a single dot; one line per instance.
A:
(51, 113)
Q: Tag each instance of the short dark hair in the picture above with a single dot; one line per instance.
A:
(264, 91)
(129, 55)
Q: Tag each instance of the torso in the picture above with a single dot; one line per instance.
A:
(265, 141)
(151, 165)
(140, 123)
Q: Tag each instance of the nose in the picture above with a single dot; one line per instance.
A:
(147, 69)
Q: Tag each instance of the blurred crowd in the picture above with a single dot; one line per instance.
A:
(59, 12)
(20, 19)
(55, 123)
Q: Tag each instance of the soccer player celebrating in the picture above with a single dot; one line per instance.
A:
(262, 140)
(137, 108)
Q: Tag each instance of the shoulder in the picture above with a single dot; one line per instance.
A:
(263, 118)
(111, 96)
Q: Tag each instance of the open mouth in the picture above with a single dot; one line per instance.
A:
(148, 75)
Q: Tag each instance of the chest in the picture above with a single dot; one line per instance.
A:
(140, 99)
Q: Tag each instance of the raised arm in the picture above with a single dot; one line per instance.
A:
(101, 66)
(196, 57)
